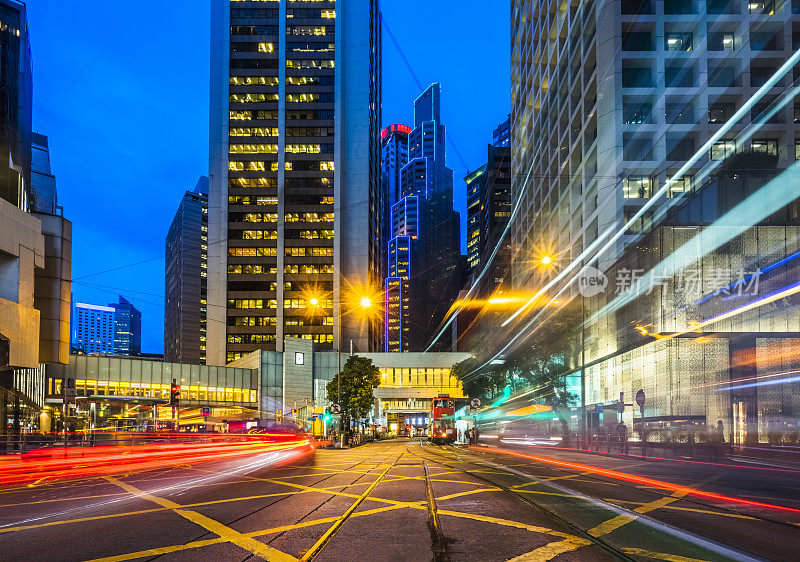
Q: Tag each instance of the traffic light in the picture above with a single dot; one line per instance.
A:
(174, 393)
(327, 416)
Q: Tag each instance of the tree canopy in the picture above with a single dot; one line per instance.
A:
(541, 363)
(359, 378)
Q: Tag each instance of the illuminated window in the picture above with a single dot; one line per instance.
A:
(254, 132)
(303, 148)
(253, 98)
(722, 149)
(326, 166)
(253, 182)
(241, 115)
(252, 252)
(253, 148)
(636, 187)
(254, 81)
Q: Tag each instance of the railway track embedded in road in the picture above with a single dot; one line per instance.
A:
(550, 514)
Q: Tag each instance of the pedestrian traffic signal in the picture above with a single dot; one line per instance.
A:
(327, 416)
(174, 393)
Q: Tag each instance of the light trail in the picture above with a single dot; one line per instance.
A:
(71, 463)
(627, 477)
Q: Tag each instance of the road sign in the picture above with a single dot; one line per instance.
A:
(336, 409)
(475, 403)
(640, 398)
(205, 410)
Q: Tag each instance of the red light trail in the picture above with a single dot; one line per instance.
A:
(627, 477)
(82, 462)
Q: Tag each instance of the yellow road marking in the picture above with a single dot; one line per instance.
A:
(660, 555)
(468, 492)
(621, 520)
(551, 550)
(223, 531)
(312, 552)
(506, 523)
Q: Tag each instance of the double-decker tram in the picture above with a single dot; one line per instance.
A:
(442, 428)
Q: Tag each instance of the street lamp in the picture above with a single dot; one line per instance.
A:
(364, 303)
(546, 260)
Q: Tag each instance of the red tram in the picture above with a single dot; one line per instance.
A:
(442, 428)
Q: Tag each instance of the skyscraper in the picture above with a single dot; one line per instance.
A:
(637, 89)
(127, 328)
(186, 272)
(294, 223)
(424, 262)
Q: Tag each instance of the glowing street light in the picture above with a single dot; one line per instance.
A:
(314, 301)
(546, 260)
(366, 302)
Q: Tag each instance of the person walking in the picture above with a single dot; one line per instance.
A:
(622, 434)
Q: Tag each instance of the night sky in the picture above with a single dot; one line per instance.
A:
(121, 90)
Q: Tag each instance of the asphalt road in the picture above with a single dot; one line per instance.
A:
(402, 500)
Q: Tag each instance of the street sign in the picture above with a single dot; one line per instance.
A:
(475, 403)
(640, 398)
(336, 409)
(205, 410)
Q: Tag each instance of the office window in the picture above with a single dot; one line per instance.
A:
(636, 112)
(677, 187)
(637, 77)
(722, 149)
(721, 41)
(636, 187)
(679, 76)
(678, 42)
(767, 146)
(637, 41)
(679, 7)
(719, 113)
(679, 113)
(763, 41)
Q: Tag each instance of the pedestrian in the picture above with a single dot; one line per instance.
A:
(469, 436)
(476, 434)
(622, 434)
(720, 445)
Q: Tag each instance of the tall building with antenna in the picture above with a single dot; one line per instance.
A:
(424, 261)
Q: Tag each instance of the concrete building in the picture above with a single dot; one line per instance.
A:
(186, 271)
(294, 214)
(424, 262)
(609, 99)
(35, 245)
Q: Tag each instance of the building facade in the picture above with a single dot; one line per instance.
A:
(115, 329)
(186, 273)
(93, 329)
(127, 328)
(424, 261)
(637, 88)
(35, 244)
(294, 174)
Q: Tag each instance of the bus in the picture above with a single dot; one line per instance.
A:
(442, 428)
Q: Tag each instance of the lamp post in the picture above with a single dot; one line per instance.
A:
(365, 303)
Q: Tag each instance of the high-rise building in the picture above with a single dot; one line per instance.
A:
(424, 261)
(488, 213)
(93, 329)
(638, 87)
(186, 271)
(35, 246)
(43, 182)
(127, 328)
(294, 223)
(115, 329)
(502, 134)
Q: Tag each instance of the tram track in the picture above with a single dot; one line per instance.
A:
(550, 514)
(698, 540)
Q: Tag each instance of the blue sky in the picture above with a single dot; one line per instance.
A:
(122, 92)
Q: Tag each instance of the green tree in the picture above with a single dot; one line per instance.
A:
(359, 378)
